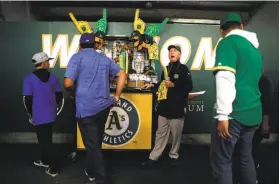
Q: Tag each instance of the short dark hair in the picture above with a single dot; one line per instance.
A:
(39, 64)
(230, 25)
(87, 45)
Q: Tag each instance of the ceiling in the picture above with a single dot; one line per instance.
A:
(150, 11)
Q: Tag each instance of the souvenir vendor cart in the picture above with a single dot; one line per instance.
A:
(129, 124)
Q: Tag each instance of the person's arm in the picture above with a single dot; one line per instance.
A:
(190, 82)
(28, 98)
(266, 94)
(117, 72)
(154, 86)
(72, 93)
(71, 73)
(159, 82)
(27, 102)
(58, 97)
(224, 70)
(121, 78)
(225, 94)
(58, 92)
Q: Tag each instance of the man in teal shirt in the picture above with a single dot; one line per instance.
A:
(238, 69)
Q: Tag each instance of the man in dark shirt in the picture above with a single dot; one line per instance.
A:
(172, 110)
(263, 132)
(41, 95)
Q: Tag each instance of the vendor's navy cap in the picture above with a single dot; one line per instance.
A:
(177, 47)
(87, 38)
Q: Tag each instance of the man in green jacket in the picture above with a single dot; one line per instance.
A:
(238, 69)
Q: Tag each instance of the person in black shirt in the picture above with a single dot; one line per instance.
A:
(172, 110)
(264, 130)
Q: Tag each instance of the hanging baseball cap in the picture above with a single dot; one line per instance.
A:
(177, 47)
(148, 39)
(230, 17)
(100, 34)
(87, 38)
(40, 58)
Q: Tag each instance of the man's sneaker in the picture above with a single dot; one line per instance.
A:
(256, 182)
(89, 177)
(149, 162)
(50, 172)
(40, 164)
(72, 156)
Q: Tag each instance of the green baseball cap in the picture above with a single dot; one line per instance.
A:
(230, 17)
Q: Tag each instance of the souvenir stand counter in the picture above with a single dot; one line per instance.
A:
(129, 124)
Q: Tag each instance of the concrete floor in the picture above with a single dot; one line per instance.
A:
(16, 166)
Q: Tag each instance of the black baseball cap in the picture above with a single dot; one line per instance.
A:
(135, 35)
(177, 47)
(100, 34)
(148, 39)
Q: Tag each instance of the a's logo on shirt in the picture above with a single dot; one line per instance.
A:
(219, 64)
(122, 124)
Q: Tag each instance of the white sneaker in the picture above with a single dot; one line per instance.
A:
(256, 182)
(40, 164)
(90, 178)
(51, 173)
